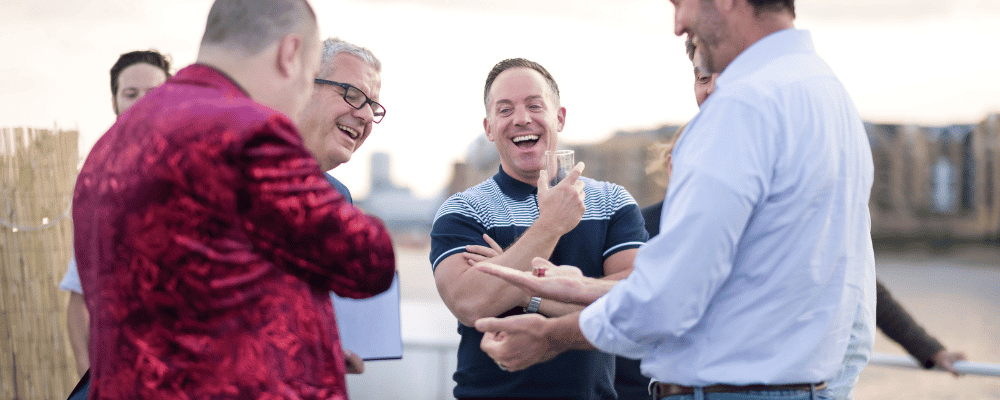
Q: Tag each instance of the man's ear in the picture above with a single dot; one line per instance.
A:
(290, 55)
(561, 117)
(486, 128)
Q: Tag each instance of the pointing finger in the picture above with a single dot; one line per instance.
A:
(575, 173)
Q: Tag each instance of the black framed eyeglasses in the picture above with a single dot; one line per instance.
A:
(356, 98)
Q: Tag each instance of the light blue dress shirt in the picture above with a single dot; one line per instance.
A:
(764, 257)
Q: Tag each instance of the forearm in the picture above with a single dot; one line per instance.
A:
(564, 334)
(78, 325)
(537, 241)
(471, 295)
(900, 326)
(552, 308)
(302, 221)
(487, 296)
(593, 289)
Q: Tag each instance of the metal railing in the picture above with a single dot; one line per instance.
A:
(963, 367)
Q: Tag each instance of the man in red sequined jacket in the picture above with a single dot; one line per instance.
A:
(207, 237)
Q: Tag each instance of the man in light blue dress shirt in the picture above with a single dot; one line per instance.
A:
(765, 259)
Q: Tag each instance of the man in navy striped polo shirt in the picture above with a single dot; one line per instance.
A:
(593, 225)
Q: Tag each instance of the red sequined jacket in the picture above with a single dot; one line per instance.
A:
(208, 240)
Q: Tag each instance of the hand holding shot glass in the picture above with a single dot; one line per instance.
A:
(561, 202)
(558, 163)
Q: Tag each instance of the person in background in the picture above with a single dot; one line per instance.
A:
(896, 323)
(594, 224)
(207, 237)
(339, 117)
(134, 74)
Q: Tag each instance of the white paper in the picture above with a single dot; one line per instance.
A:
(371, 327)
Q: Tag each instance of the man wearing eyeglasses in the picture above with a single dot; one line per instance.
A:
(344, 104)
(339, 117)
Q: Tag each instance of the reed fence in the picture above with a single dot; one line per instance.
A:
(38, 168)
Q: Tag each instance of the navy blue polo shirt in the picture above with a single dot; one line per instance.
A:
(341, 188)
(504, 208)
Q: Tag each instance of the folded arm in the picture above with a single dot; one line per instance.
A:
(294, 213)
(471, 294)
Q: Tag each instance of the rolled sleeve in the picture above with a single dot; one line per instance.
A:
(597, 328)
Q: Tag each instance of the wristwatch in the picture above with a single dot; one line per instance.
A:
(533, 305)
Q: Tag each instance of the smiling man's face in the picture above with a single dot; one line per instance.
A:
(523, 119)
(331, 128)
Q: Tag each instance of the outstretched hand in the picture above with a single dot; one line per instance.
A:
(561, 283)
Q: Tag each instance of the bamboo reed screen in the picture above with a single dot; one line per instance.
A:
(39, 168)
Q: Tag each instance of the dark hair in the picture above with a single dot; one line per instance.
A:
(255, 24)
(760, 6)
(518, 63)
(151, 57)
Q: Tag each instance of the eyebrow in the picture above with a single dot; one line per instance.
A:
(529, 98)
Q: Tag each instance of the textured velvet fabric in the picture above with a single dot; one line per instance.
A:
(208, 240)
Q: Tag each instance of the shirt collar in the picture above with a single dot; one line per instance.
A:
(514, 188)
(208, 76)
(780, 43)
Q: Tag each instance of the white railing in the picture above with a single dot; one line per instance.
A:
(963, 367)
(430, 341)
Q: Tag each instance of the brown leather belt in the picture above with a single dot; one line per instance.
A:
(661, 390)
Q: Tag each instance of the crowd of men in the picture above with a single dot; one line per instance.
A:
(208, 233)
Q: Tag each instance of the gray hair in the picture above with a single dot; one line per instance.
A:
(255, 24)
(334, 46)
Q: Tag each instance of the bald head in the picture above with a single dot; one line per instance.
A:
(270, 48)
(253, 25)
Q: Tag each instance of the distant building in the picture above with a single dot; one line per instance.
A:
(407, 216)
(623, 159)
(936, 181)
(481, 162)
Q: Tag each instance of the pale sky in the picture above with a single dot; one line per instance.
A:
(617, 63)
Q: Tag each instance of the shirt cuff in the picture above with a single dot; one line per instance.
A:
(596, 327)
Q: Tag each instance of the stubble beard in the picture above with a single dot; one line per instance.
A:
(709, 34)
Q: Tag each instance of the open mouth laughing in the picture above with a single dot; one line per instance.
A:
(525, 141)
(349, 131)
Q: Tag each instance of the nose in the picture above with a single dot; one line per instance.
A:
(521, 116)
(678, 26)
(711, 86)
(365, 113)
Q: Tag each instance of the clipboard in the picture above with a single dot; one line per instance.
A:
(371, 327)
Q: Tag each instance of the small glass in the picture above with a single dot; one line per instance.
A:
(558, 164)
